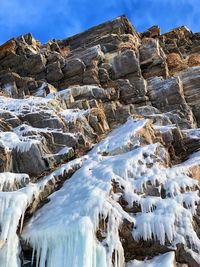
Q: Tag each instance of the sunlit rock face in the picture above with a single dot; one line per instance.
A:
(99, 149)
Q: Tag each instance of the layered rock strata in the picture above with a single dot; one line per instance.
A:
(99, 142)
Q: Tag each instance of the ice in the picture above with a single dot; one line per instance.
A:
(71, 115)
(88, 194)
(165, 260)
(41, 90)
(11, 140)
(12, 181)
(63, 233)
(193, 133)
(194, 159)
(164, 128)
(20, 106)
(12, 208)
(121, 139)
(14, 204)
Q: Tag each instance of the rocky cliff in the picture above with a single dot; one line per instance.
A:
(99, 141)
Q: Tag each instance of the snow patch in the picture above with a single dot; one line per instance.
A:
(165, 260)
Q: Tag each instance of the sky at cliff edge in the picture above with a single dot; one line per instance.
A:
(48, 19)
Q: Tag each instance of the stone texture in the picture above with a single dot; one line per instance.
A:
(69, 94)
(152, 58)
(167, 95)
(35, 64)
(190, 79)
(125, 63)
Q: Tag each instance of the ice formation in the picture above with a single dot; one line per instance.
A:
(63, 232)
(165, 260)
(11, 140)
(13, 205)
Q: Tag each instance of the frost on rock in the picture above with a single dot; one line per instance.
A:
(65, 232)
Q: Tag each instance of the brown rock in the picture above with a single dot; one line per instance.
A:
(152, 59)
(194, 60)
(152, 32)
(175, 63)
(54, 72)
(191, 87)
(7, 48)
(117, 26)
(73, 67)
(35, 64)
(125, 63)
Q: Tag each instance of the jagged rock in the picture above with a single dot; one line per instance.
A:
(125, 196)
(167, 95)
(125, 63)
(119, 26)
(28, 38)
(175, 63)
(152, 32)
(10, 119)
(7, 48)
(12, 60)
(190, 79)
(152, 59)
(54, 72)
(176, 41)
(23, 162)
(90, 76)
(92, 92)
(194, 60)
(73, 67)
(190, 140)
(89, 55)
(43, 120)
(35, 64)
(132, 91)
(55, 56)
(103, 75)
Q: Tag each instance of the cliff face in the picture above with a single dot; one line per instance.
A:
(99, 145)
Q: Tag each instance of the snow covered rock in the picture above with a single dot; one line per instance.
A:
(99, 149)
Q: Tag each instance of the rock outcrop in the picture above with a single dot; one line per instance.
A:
(99, 149)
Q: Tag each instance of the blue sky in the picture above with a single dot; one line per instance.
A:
(58, 19)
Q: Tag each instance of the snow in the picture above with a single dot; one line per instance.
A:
(62, 95)
(41, 90)
(164, 128)
(63, 232)
(193, 133)
(71, 115)
(121, 139)
(26, 105)
(30, 105)
(11, 140)
(165, 260)
(194, 159)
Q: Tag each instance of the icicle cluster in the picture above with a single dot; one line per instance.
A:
(63, 232)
